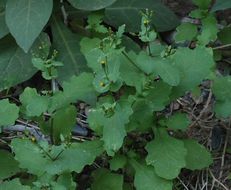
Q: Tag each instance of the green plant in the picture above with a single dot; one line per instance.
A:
(128, 89)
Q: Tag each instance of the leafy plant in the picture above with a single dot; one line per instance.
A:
(116, 63)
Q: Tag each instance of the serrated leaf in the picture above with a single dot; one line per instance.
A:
(3, 29)
(33, 103)
(197, 156)
(104, 180)
(91, 5)
(15, 65)
(221, 89)
(191, 68)
(67, 44)
(166, 154)
(8, 165)
(209, 30)
(13, 184)
(178, 121)
(163, 18)
(25, 20)
(146, 178)
(63, 122)
(8, 113)
(117, 162)
(185, 31)
(221, 5)
(114, 129)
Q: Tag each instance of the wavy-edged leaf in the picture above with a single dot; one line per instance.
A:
(8, 165)
(104, 179)
(67, 44)
(197, 156)
(221, 89)
(166, 154)
(26, 19)
(147, 179)
(13, 184)
(8, 113)
(193, 66)
(91, 5)
(33, 104)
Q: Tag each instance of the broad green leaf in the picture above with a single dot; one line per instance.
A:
(145, 62)
(114, 129)
(142, 117)
(25, 20)
(105, 180)
(78, 88)
(221, 5)
(166, 154)
(166, 71)
(221, 89)
(222, 108)
(94, 22)
(163, 18)
(15, 65)
(193, 66)
(158, 96)
(32, 103)
(186, 31)
(63, 122)
(56, 159)
(3, 29)
(147, 179)
(93, 56)
(66, 180)
(13, 184)
(202, 4)
(30, 156)
(8, 113)
(134, 77)
(117, 162)
(209, 30)
(197, 156)
(67, 44)
(91, 5)
(178, 121)
(76, 157)
(8, 165)
(225, 35)
(94, 119)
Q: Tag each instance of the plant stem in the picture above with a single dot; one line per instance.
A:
(221, 47)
